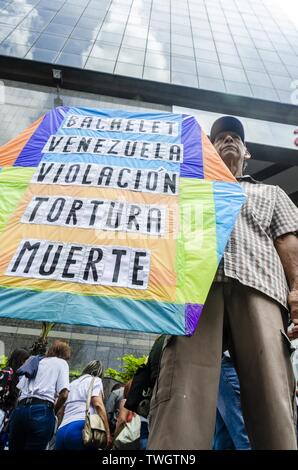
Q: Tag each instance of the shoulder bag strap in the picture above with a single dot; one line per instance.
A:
(88, 401)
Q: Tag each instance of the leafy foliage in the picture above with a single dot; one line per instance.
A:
(3, 361)
(74, 374)
(40, 345)
(130, 364)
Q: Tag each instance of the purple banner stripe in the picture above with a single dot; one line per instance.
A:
(31, 153)
(191, 138)
(192, 316)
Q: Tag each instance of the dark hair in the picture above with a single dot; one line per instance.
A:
(59, 349)
(39, 347)
(127, 388)
(94, 368)
(117, 386)
(17, 358)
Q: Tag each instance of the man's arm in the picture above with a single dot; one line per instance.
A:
(287, 249)
(62, 397)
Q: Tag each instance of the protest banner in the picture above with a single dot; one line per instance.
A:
(113, 219)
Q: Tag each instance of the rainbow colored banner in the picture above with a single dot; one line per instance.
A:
(113, 219)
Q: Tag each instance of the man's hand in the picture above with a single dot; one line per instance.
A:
(293, 305)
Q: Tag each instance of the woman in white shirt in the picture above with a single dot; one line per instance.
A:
(32, 423)
(69, 435)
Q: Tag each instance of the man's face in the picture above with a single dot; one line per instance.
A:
(230, 146)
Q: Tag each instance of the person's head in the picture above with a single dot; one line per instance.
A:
(17, 358)
(94, 368)
(39, 347)
(227, 136)
(117, 386)
(59, 349)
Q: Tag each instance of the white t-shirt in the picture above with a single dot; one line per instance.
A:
(75, 406)
(52, 377)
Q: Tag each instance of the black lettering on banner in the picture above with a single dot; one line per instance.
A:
(130, 149)
(119, 181)
(70, 261)
(170, 183)
(58, 173)
(145, 149)
(55, 141)
(129, 126)
(154, 219)
(138, 179)
(76, 205)
(155, 127)
(72, 120)
(86, 122)
(84, 144)
(68, 144)
(39, 200)
(98, 123)
(111, 149)
(175, 153)
(26, 247)
(99, 145)
(94, 211)
(92, 262)
(75, 170)
(86, 174)
(106, 172)
(51, 270)
(171, 126)
(125, 124)
(137, 267)
(141, 128)
(152, 180)
(112, 215)
(43, 171)
(116, 124)
(132, 218)
(157, 150)
(60, 202)
(119, 254)
(76, 262)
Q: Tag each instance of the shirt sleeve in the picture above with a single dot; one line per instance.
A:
(111, 402)
(63, 377)
(97, 387)
(285, 216)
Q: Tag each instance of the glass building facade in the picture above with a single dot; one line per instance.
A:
(243, 47)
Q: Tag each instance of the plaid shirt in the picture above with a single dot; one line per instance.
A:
(250, 255)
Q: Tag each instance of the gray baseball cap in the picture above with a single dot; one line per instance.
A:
(226, 124)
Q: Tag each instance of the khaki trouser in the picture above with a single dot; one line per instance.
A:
(183, 407)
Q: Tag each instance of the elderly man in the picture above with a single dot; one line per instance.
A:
(247, 312)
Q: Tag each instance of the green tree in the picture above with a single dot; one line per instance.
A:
(40, 344)
(3, 361)
(130, 364)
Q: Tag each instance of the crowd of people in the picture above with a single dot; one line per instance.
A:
(41, 408)
(229, 386)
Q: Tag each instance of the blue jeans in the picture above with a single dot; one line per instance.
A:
(31, 427)
(230, 432)
(144, 435)
(69, 437)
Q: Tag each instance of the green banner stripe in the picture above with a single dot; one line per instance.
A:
(196, 258)
(13, 183)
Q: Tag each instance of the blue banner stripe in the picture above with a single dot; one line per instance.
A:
(226, 213)
(110, 312)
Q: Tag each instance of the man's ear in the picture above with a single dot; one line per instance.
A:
(246, 155)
